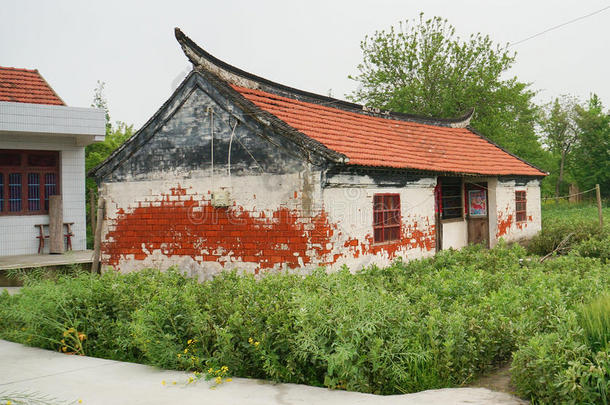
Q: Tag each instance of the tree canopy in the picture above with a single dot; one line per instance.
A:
(591, 160)
(559, 133)
(116, 134)
(422, 67)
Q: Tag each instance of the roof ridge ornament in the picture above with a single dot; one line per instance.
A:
(463, 121)
(201, 59)
(375, 110)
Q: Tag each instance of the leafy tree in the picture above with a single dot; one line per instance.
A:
(423, 68)
(560, 132)
(99, 101)
(592, 152)
(96, 153)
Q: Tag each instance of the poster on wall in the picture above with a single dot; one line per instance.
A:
(477, 203)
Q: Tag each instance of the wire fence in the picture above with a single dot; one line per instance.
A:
(568, 195)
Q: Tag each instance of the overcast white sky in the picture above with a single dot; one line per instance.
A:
(312, 45)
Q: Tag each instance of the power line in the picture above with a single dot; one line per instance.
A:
(559, 26)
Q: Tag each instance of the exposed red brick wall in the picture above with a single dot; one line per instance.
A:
(192, 227)
(183, 223)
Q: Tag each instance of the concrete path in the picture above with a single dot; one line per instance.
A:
(97, 381)
(11, 290)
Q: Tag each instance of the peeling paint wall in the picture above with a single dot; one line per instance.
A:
(506, 226)
(351, 208)
(273, 223)
(162, 223)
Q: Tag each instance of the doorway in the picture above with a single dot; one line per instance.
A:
(477, 212)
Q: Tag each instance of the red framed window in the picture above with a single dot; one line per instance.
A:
(386, 217)
(27, 179)
(520, 206)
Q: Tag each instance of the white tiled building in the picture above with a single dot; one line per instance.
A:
(42, 152)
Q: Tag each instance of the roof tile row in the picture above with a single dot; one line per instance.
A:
(375, 141)
(26, 86)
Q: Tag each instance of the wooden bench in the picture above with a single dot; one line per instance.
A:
(42, 236)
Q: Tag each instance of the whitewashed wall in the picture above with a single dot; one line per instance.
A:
(455, 233)
(506, 225)
(351, 208)
(17, 233)
(344, 215)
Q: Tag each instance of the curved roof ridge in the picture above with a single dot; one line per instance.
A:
(199, 57)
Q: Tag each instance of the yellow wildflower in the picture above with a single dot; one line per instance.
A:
(80, 401)
(82, 336)
(256, 344)
(8, 402)
(186, 351)
(250, 340)
(163, 382)
(218, 380)
(229, 379)
(210, 370)
(190, 380)
(188, 342)
(173, 382)
(179, 355)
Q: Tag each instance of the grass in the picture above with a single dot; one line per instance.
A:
(560, 220)
(595, 320)
(582, 212)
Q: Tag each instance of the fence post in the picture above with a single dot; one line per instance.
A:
(599, 207)
(92, 213)
(97, 243)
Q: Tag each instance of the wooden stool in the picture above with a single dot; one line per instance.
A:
(69, 234)
(41, 236)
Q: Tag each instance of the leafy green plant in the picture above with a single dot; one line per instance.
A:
(593, 247)
(577, 220)
(594, 318)
(411, 326)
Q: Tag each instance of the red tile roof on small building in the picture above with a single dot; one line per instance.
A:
(26, 86)
(375, 141)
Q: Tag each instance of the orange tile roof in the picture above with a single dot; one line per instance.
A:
(386, 142)
(26, 86)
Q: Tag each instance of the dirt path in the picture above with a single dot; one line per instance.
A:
(498, 380)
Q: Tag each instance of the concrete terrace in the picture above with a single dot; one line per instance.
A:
(45, 260)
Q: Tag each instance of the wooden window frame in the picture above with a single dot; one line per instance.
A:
(381, 206)
(444, 197)
(25, 170)
(520, 205)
